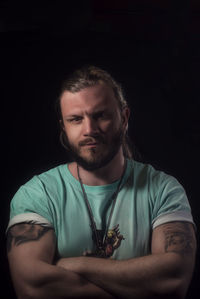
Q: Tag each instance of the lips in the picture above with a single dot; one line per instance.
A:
(89, 142)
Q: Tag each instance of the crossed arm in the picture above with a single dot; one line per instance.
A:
(31, 251)
(164, 273)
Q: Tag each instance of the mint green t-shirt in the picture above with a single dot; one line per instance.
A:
(147, 198)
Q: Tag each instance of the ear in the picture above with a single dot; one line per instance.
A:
(125, 117)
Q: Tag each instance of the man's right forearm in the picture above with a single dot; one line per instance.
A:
(31, 250)
(47, 281)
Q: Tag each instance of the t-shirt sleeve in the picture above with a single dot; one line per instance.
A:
(30, 205)
(171, 203)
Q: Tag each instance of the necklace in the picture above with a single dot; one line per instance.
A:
(101, 241)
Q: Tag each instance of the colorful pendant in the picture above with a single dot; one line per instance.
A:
(106, 247)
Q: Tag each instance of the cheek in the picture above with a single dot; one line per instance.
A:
(110, 126)
(113, 126)
(71, 133)
(105, 126)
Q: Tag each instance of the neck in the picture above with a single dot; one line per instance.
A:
(103, 176)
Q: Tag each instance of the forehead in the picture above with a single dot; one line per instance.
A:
(88, 99)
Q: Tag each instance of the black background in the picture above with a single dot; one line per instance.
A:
(151, 47)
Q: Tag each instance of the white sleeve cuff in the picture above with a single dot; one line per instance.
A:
(32, 218)
(173, 216)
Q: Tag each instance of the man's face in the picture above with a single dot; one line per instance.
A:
(93, 125)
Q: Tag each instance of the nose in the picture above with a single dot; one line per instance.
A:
(90, 126)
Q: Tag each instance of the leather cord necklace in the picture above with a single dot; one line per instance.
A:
(100, 250)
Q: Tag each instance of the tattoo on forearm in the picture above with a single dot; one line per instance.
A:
(179, 238)
(22, 233)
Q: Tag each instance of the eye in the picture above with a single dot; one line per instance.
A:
(100, 115)
(76, 119)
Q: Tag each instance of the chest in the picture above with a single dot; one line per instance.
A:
(130, 225)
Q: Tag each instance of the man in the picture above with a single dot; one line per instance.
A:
(104, 225)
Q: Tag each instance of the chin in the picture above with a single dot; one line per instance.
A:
(93, 159)
(94, 163)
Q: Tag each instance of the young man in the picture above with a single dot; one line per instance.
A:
(103, 226)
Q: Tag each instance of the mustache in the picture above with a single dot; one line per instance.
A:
(96, 139)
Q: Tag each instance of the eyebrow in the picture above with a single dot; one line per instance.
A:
(71, 116)
(91, 114)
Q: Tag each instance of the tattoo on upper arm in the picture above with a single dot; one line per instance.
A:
(24, 232)
(179, 238)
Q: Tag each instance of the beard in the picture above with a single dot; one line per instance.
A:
(97, 157)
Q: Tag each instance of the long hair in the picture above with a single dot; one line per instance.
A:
(89, 76)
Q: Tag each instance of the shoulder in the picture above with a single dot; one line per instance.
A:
(35, 198)
(156, 183)
(53, 173)
(40, 186)
(149, 174)
(49, 178)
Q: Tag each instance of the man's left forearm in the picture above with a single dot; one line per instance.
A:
(164, 273)
(144, 277)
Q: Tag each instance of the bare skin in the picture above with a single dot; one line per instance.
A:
(31, 255)
(83, 118)
(23, 233)
(166, 272)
